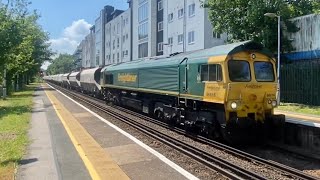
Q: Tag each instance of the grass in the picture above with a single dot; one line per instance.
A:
(15, 114)
(300, 108)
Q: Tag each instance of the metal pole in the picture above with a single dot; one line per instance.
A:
(278, 69)
(184, 24)
(4, 83)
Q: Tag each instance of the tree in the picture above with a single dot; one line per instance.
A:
(61, 65)
(245, 20)
(23, 44)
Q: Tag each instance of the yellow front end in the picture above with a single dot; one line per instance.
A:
(251, 89)
(251, 100)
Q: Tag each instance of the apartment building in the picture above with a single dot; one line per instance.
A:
(163, 27)
(88, 49)
(186, 27)
(144, 23)
(150, 28)
(118, 38)
(107, 14)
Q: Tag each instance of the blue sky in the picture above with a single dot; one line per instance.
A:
(68, 21)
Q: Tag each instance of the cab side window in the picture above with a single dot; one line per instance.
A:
(109, 79)
(212, 72)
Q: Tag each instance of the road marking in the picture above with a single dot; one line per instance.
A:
(99, 164)
(148, 148)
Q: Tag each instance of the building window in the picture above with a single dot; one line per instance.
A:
(192, 8)
(114, 44)
(160, 26)
(118, 28)
(191, 37)
(170, 17)
(113, 57)
(143, 50)
(160, 47)
(143, 31)
(126, 36)
(170, 41)
(126, 52)
(160, 5)
(212, 72)
(117, 57)
(180, 13)
(180, 38)
(143, 12)
(216, 35)
(118, 42)
(123, 38)
(114, 28)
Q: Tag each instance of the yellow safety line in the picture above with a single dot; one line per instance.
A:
(88, 160)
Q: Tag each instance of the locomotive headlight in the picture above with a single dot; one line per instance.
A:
(274, 103)
(233, 105)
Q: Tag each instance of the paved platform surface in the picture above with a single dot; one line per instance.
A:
(51, 155)
(299, 118)
(69, 142)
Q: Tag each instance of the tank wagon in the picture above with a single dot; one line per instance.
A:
(90, 81)
(227, 90)
(65, 80)
(74, 80)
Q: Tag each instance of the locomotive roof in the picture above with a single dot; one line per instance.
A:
(227, 49)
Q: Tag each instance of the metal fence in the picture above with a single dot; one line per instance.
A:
(300, 82)
(1, 93)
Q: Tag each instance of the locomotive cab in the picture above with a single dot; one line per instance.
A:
(251, 93)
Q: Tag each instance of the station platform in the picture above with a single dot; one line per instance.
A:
(299, 118)
(68, 141)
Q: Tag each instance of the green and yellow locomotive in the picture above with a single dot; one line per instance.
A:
(227, 90)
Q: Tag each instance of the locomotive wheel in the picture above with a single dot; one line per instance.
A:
(159, 115)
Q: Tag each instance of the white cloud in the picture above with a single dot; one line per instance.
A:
(71, 37)
(78, 30)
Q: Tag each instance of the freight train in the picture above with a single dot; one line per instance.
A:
(227, 91)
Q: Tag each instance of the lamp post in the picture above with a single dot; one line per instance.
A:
(273, 15)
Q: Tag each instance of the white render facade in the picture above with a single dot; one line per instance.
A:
(187, 27)
(118, 39)
(172, 26)
(148, 28)
(88, 50)
(144, 28)
(308, 37)
(98, 42)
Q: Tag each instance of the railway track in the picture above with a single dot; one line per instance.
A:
(213, 162)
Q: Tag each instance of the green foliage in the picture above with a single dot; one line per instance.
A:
(61, 65)
(244, 19)
(23, 44)
(15, 115)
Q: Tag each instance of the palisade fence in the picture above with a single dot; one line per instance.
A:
(300, 82)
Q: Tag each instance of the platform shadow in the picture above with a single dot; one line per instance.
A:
(44, 89)
(17, 110)
(20, 162)
(27, 161)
